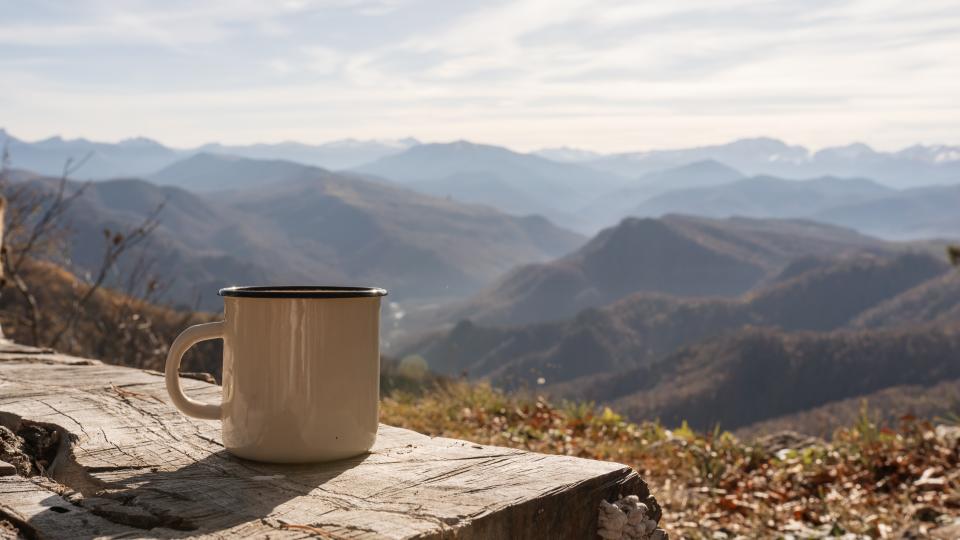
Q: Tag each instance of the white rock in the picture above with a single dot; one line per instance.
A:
(627, 519)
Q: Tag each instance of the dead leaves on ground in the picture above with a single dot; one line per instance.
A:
(868, 481)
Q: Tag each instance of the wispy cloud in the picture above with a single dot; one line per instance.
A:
(603, 74)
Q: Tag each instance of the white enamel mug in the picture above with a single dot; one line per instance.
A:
(301, 372)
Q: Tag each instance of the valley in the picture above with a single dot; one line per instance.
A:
(714, 285)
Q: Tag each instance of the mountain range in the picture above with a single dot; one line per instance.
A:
(334, 155)
(644, 327)
(497, 177)
(759, 375)
(139, 157)
(604, 209)
(925, 212)
(910, 167)
(679, 255)
(670, 349)
(901, 195)
(308, 225)
(764, 196)
(856, 203)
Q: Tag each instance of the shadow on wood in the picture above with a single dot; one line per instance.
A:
(215, 493)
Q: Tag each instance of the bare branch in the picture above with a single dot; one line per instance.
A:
(117, 245)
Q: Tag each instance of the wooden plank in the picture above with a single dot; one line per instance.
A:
(132, 465)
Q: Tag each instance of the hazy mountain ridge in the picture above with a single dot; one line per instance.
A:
(336, 155)
(566, 154)
(760, 177)
(909, 167)
(762, 374)
(309, 225)
(644, 328)
(610, 206)
(913, 166)
(420, 245)
(764, 197)
(131, 157)
(925, 212)
(856, 203)
(139, 157)
(485, 174)
(680, 255)
(209, 172)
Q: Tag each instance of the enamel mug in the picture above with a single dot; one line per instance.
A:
(301, 372)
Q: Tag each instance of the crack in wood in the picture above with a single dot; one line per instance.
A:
(52, 448)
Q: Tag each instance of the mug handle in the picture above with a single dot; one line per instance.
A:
(188, 338)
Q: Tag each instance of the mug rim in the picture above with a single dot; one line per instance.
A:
(301, 291)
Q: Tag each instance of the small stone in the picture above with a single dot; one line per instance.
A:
(626, 519)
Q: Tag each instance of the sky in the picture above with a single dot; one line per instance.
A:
(604, 75)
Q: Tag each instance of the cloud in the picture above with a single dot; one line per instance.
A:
(605, 74)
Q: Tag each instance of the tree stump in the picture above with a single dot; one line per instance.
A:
(99, 451)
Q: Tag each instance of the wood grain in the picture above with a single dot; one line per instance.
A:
(129, 464)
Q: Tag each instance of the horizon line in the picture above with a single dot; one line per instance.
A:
(420, 141)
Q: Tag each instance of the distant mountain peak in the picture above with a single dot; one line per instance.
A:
(208, 155)
(849, 151)
(935, 153)
(774, 150)
(759, 142)
(567, 154)
(706, 165)
(400, 144)
(462, 144)
(140, 142)
(697, 173)
(405, 142)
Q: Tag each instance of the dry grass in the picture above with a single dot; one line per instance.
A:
(112, 326)
(867, 481)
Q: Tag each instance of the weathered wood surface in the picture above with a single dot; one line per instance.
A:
(123, 462)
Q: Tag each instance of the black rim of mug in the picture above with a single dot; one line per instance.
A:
(302, 291)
